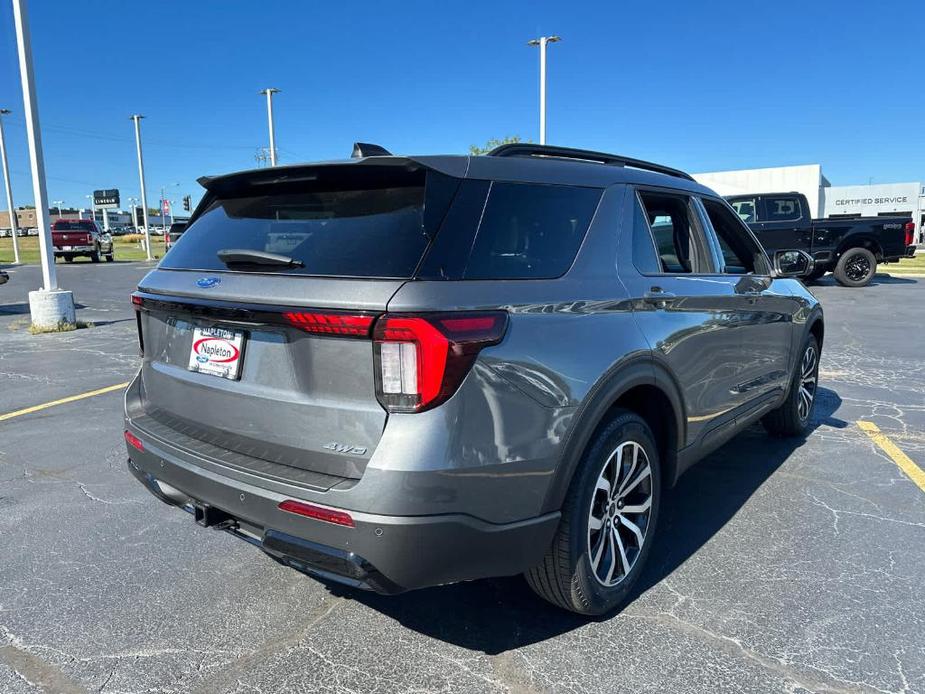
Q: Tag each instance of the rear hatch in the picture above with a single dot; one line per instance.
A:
(74, 233)
(256, 329)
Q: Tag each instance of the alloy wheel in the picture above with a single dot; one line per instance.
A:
(808, 377)
(857, 268)
(619, 515)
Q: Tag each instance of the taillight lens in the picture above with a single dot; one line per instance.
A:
(420, 360)
(331, 323)
(137, 303)
(910, 233)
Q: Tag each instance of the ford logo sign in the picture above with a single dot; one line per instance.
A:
(207, 282)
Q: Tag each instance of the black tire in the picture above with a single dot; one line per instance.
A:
(856, 268)
(95, 256)
(110, 257)
(793, 416)
(68, 258)
(567, 577)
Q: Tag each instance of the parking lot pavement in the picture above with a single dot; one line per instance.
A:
(780, 565)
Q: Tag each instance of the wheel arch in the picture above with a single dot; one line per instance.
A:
(861, 241)
(642, 386)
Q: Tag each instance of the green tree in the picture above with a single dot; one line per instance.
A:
(494, 142)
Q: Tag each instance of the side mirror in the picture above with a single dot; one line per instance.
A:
(793, 263)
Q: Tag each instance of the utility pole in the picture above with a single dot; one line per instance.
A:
(270, 91)
(542, 41)
(14, 227)
(50, 307)
(141, 177)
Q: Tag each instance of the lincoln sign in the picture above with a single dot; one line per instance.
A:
(106, 199)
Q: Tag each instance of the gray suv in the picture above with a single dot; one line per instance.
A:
(397, 372)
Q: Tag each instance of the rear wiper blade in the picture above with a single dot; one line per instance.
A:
(244, 256)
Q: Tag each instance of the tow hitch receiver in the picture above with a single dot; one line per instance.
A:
(210, 517)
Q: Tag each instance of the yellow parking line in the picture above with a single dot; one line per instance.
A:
(904, 462)
(62, 401)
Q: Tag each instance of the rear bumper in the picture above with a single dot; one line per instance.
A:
(386, 554)
(71, 250)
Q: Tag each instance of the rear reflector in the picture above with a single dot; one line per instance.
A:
(348, 324)
(328, 515)
(134, 441)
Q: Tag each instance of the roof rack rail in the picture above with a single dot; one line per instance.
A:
(521, 149)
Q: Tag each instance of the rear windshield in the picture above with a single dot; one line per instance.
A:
(71, 226)
(370, 224)
(390, 222)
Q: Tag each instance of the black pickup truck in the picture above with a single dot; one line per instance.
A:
(848, 247)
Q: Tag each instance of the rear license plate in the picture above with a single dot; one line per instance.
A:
(67, 248)
(217, 352)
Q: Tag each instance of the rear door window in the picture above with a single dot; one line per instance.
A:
(530, 231)
(781, 209)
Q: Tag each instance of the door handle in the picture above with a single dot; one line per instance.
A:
(656, 295)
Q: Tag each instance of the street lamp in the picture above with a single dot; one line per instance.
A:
(141, 176)
(541, 42)
(58, 203)
(269, 92)
(9, 189)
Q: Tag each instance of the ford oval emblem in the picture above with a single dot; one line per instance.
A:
(207, 282)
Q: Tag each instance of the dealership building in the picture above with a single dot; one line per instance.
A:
(826, 200)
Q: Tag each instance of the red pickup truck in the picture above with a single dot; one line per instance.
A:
(74, 237)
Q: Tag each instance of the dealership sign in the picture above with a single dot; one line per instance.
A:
(106, 199)
(871, 200)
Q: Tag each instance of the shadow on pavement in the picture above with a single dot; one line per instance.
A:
(496, 615)
(21, 309)
(879, 278)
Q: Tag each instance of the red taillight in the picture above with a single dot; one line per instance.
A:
(421, 360)
(325, 323)
(137, 303)
(910, 233)
(134, 441)
(328, 515)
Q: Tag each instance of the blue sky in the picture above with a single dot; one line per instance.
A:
(700, 86)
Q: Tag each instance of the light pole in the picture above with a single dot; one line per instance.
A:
(541, 42)
(141, 177)
(50, 307)
(58, 203)
(9, 188)
(270, 91)
(90, 209)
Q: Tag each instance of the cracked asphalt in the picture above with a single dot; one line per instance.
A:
(788, 566)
